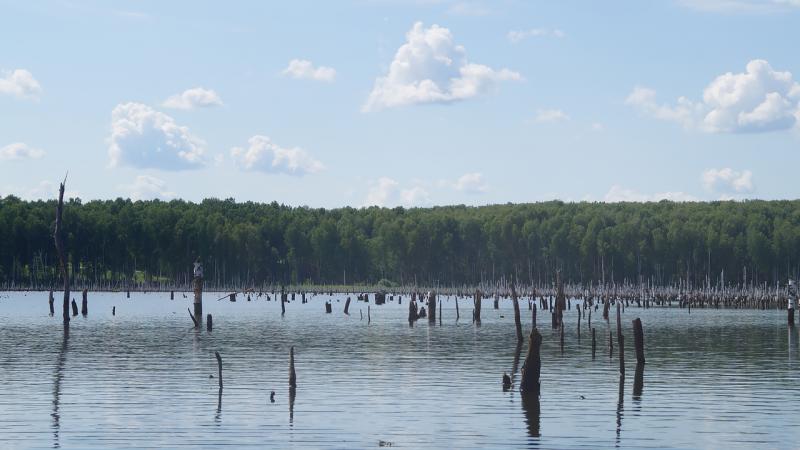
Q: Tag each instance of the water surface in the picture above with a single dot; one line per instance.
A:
(141, 378)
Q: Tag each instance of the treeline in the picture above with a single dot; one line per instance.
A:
(120, 241)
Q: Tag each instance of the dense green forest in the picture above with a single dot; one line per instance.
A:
(251, 243)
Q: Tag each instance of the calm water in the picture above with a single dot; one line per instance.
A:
(140, 379)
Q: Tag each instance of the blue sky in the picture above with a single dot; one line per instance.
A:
(401, 102)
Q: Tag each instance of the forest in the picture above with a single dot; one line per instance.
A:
(122, 241)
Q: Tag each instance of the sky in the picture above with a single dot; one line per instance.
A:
(401, 102)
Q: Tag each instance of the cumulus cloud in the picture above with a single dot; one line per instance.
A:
(516, 36)
(304, 69)
(620, 194)
(551, 115)
(261, 154)
(472, 183)
(193, 98)
(145, 138)
(431, 68)
(757, 100)
(146, 187)
(19, 151)
(19, 83)
(728, 180)
(387, 192)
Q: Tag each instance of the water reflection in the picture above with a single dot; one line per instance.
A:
(59, 375)
(620, 406)
(531, 408)
(638, 382)
(292, 394)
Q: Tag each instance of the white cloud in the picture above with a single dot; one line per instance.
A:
(45, 190)
(597, 126)
(551, 115)
(304, 69)
(263, 155)
(728, 180)
(19, 83)
(758, 100)
(431, 68)
(145, 138)
(387, 192)
(516, 36)
(685, 112)
(19, 151)
(193, 98)
(472, 183)
(620, 194)
(146, 187)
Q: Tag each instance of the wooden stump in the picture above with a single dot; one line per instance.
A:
(432, 307)
(292, 375)
(51, 301)
(347, 306)
(209, 323)
(198, 301)
(477, 313)
(530, 384)
(85, 303)
(219, 367)
(638, 340)
(517, 321)
(74, 308)
(594, 342)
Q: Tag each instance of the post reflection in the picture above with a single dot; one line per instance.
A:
(530, 406)
(59, 375)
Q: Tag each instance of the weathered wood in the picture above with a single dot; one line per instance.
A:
(638, 381)
(620, 342)
(369, 316)
(209, 323)
(219, 368)
(477, 314)
(196, 324)
(432, 307)
(458, 316)
(85, 303)
(292, 374)
(638, 340)
(198, 301)
(51, 301)
(594, 342)
(74, 308)
(347, 306)
(62, 251)
(412, 311)
(113, 310)
(530, 383)
(328, 308)
(517, 320)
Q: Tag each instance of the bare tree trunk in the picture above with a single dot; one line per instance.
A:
(58, 235)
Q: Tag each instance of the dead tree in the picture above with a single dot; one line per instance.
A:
(58, 235)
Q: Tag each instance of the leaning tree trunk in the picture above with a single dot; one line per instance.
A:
(58, 235)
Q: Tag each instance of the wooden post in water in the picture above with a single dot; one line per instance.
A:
(74, 308)
(638, 340)
(51, 301)
(477, 317)
(458, 316)
(533, 365)
(62, 251)
(198, 293)
(283, 302)
(292, 375)
(517, 320)
(594, 343)
(347, 306)
(85, 302)
(432, 307)
(621, 342)
(369, 316)
(172, 295)
(209, 323)
(219, 368)
(533, 316)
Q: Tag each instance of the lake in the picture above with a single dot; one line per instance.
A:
(142, 378)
